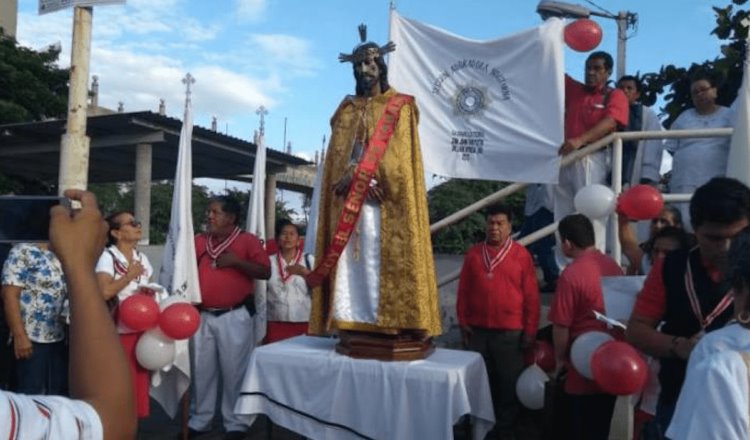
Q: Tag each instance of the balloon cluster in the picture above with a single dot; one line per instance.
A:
(172, 319)
(639, 202)
(615, 366)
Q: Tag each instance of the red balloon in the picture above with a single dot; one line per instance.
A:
(618, 368)
(640, 202)
(138, 312)
(583, 35)
(541, 353)
(179, 321)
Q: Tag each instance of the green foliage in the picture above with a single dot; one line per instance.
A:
(32, 87)
(674, 82)
(455, 194)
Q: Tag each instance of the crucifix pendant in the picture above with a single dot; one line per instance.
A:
(489, 275)
(213, 264)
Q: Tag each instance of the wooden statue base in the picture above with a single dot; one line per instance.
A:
(409, 345)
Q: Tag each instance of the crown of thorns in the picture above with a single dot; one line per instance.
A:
(366, 49)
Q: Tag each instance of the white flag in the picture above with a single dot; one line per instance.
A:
(179, 268)
(488, 109)
(256, 224)
(311, 232)
(738, 164)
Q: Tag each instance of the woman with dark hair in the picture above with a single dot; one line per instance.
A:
(640, 256)
(714, 399)
(288, 296)
(121, 271)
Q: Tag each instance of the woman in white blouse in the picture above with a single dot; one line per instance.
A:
(121, 271)
(288, 295)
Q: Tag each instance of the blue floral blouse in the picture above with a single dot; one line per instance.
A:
(43, 291)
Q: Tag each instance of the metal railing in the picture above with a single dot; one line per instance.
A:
(616, 139)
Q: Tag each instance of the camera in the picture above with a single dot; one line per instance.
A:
(26, 218)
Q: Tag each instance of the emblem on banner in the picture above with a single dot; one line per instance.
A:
(470, 101)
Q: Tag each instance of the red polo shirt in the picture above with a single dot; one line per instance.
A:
(228, 287)
(578, 295)
(585, 107)
(508, 300)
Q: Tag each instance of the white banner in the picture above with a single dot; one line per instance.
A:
(311, 233)
(47, 6)
(488, 109)
(179, 268)
(738, 164)
(256, 224)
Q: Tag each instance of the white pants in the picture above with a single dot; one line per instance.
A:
(589, 170)
(222, 346)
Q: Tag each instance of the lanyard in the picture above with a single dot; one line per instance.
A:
(215, 250)
(695, 304)
(283, 274)
(491, 263)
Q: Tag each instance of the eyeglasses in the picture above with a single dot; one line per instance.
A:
(134, 223)
(700, 91)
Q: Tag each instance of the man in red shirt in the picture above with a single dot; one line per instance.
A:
(592, 111)
(498, 310)
(684, 290)
(578, 296)
(229, 262)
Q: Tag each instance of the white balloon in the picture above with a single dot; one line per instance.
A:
(530, 387)
(583, 350)
(154, 350)
(595, 201)
(172, 299)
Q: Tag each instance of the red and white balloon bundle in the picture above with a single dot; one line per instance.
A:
(615, 366)
(172, 319)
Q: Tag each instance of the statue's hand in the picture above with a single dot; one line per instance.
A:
(376, 193)
(341, 187)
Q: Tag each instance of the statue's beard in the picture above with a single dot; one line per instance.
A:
(366, 83)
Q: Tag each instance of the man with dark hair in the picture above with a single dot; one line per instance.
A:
(641, 160)
(592, 111)
(229, 262)
(578, 296)
(498, 310)
(685, 292)
(375, 271)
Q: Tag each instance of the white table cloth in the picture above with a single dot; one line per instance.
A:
(304, 385)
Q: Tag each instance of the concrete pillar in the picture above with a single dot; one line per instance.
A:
(9, 17)
(143, 189)
(270, 198)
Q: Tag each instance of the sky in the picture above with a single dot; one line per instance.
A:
(282, 54)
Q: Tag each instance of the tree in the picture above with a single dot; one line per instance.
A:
(32, 87)
(455, 194)
(727, 68)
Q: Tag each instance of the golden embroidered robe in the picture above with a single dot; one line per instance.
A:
(408, 296)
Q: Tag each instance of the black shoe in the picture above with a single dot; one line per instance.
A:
(235, 435)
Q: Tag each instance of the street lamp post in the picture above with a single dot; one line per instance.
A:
(624, 20)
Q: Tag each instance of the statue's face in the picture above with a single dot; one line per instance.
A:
(368, 72)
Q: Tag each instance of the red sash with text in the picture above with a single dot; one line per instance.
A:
(359, 187)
